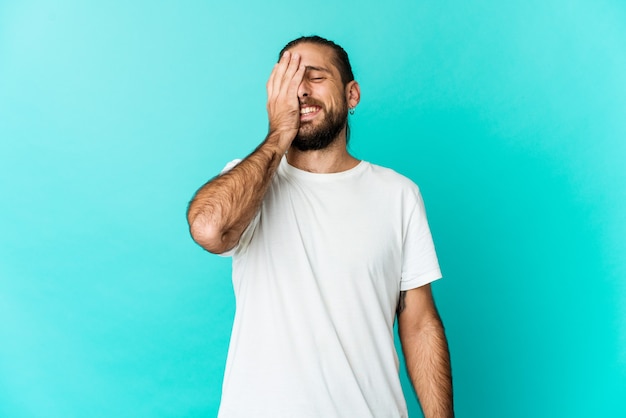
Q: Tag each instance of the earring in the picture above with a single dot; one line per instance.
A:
(351, 110)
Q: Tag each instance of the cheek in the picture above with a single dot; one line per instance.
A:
(337, 101)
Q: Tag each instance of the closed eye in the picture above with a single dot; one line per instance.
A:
(317, 74)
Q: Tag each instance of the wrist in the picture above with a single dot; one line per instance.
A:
(280, 141)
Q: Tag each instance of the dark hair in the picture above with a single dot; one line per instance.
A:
(340, 59)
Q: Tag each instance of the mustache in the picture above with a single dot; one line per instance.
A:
(310, 102)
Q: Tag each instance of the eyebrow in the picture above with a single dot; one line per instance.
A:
(322, 69)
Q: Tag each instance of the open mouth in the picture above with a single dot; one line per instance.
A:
(307, 111)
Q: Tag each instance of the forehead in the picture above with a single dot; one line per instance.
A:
(314, 55)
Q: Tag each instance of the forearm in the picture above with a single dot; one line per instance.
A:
(222, 208)
(428, 364)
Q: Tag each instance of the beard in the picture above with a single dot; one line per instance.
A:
(311, 138)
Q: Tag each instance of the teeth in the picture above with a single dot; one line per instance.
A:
(307, 110)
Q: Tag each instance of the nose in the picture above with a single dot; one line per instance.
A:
(303, 89)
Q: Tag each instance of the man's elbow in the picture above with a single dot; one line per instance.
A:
(209, 236)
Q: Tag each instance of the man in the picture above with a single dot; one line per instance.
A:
(326, 251)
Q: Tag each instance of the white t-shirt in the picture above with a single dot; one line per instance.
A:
(317, 276)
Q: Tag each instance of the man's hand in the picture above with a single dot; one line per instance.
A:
(283, 105)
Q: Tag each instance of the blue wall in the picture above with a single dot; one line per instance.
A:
(509, 115)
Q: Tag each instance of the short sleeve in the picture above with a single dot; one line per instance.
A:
(420, 265)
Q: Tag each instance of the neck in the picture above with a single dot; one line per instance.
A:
(332, 159)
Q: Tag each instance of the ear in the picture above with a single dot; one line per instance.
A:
(353, 94)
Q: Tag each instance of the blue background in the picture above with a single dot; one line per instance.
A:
(509, 115)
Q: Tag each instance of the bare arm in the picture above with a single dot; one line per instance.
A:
(222, 209)
(426, 352)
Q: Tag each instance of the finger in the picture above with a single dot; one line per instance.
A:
(280, 71)
(292, 69)
(270, 82)
(296, 80)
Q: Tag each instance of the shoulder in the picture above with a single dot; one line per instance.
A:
(390, 178)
